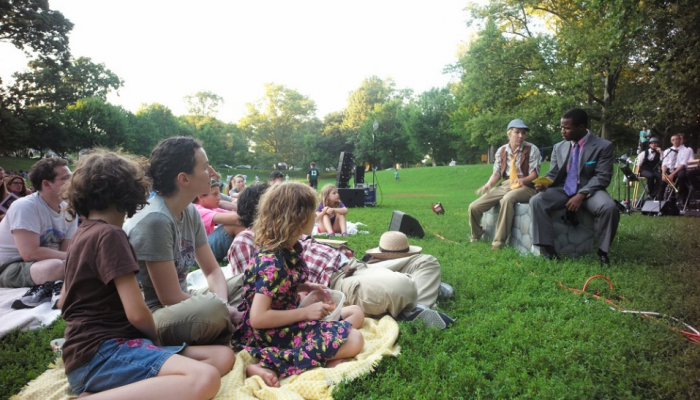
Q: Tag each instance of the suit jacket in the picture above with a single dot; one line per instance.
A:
(595, 167)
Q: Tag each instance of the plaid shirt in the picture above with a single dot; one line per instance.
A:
(321, 259)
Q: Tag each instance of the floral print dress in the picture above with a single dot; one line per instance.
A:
(290, 349)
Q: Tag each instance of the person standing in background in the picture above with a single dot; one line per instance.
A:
(312, 176)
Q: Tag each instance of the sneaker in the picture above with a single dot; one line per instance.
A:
(431, 318)
(35, 295)
(445, 292)
(56, 294)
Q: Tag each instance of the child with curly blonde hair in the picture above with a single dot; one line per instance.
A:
(286, 339)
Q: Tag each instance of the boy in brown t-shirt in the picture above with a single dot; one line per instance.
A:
(111, 341)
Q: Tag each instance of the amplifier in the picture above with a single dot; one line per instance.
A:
(352, 197)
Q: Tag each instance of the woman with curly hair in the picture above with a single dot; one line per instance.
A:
(286, 339)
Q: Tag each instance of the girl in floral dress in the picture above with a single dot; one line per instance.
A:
(288, 340)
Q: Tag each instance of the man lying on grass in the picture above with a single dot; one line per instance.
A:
(406, 286)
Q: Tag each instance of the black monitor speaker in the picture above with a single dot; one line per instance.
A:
(345, 170)
(352, 197)
(359, 174)
(405, 223)
(651, 207)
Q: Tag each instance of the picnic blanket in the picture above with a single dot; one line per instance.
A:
(380, 340)
(26, 319)
(353, 228)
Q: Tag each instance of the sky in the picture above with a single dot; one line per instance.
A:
(323, 49)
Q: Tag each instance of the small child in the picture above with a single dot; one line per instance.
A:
(220, 225)
(289, 340)
(331, 213)
(396, 174)
(111, 348)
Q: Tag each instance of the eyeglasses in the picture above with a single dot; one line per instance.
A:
(16, 183)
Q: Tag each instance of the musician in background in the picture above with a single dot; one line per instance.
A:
(675, 162)
(649, 162)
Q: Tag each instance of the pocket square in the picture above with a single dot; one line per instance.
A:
(590, 162)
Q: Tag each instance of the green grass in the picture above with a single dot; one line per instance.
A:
(518, 333)
(16, 164)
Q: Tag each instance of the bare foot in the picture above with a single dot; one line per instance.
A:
(268, 375)
(334, 363)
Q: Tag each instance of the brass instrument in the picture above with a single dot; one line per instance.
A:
(670, 183)
(635, 191)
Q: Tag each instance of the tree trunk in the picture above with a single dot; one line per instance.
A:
(611, 79)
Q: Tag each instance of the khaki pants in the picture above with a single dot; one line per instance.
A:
(14, 273)
(201, 319)
(390, 286)
(507, 197)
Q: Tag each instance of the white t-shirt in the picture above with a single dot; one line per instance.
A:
(33, 214)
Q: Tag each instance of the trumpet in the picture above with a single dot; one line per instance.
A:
(670, 183)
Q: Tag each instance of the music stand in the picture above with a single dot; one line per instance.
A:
(631, 177)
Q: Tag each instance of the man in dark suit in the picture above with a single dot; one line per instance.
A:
(581, 169)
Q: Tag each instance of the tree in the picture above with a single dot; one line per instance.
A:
(498, 83)
(151, 124)
(372, 93)
(427, 121)
(94, 122)
(277, 124)
(203, 104)
(45, 131)
(31, 24)
(585, 47)
(58, 85)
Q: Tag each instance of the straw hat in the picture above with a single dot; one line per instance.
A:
(392, 245)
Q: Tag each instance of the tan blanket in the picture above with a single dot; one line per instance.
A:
(380, 340)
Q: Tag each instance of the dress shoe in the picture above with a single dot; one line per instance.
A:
(445, 292)
(549, 256)
(604, 260)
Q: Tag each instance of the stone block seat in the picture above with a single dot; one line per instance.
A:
(572, 241)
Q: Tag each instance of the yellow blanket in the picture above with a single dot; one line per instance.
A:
(380, 340)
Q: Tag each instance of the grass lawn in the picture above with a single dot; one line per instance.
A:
(518, 333)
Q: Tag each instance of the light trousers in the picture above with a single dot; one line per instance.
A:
(201, 319)
(507, 197)
(390, 286)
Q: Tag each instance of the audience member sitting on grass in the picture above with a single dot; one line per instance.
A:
(227, 202)
(16, 185)
(3, 195)
(221, 225)
(111, 348)
(168, 236)
(406, 286)
(517, 163)
(288, 340)
(276, 177)
(34, 236)
(236, 186)
(331, 212)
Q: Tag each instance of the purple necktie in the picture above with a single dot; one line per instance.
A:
(571, 182)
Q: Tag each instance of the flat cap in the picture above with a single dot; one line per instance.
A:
(517, 123)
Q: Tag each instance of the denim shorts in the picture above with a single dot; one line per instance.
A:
(119, 362)
(219, 241)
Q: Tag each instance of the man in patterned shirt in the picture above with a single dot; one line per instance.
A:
(407, 287)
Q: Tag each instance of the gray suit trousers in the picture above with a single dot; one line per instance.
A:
(600, 204)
